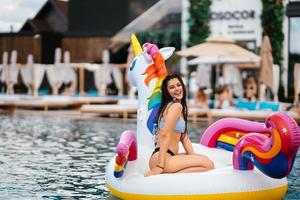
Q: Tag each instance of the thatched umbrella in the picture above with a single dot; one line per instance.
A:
(266, 70)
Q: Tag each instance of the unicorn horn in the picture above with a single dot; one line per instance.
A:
(137, 49)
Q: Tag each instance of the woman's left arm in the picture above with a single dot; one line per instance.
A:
(187, 145)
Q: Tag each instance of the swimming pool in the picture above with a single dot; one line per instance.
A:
(55, 157)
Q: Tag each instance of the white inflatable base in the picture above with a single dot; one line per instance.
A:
(221, 183)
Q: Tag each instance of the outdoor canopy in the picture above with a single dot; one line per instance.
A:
(219, 50)
(222, 59)
(266, 70)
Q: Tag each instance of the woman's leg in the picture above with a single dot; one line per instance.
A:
(188, 163)
(193, 169)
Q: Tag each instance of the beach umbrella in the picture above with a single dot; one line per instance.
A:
(4, 66)
(69, 73)
(70, 76)
(102, 75)
(218, 51)
(266, 70)
(12, 73)
(225, 59)
(219, 48)
(55, 72)
(27, 74)
(57, 55)
(32, 75)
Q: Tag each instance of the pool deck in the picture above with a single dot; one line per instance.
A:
(87, 107)
(12, 102)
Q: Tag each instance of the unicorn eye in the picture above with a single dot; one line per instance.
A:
(132, 65)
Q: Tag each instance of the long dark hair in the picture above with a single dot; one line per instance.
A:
(166, 98)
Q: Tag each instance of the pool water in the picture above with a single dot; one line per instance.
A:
(53, 157)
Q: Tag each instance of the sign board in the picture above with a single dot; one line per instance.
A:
(237, 19)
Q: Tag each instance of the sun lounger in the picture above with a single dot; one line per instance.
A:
(10, 102)
(123, 109)
(45, 102)
(247, 105)
(257, 105)
(247, 114)
(95, 100)
(195, 113)
(274, 106)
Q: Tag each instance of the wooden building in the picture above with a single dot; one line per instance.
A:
(25, 43)
(83, 27)
(39, 36)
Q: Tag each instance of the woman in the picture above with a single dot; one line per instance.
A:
(172, 129)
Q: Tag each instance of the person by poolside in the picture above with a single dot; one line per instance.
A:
(171, 130)
(201, 98)
(251, 89)
(224, 97)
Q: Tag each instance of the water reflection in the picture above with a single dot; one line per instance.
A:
(54, 158)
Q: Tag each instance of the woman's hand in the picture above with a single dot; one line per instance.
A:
(154, 171)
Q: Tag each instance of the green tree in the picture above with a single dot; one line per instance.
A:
(200, 16)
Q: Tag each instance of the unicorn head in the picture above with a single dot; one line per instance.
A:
(146, 72)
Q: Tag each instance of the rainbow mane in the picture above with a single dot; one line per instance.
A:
(156, 70)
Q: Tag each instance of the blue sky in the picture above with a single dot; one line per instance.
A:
(16, 12)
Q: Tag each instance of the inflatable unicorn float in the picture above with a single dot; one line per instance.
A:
(251, 159)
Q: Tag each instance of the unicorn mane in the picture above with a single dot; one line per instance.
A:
(156, 70)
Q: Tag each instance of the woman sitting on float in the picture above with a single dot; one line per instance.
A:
(234, 145)
(172, 129)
